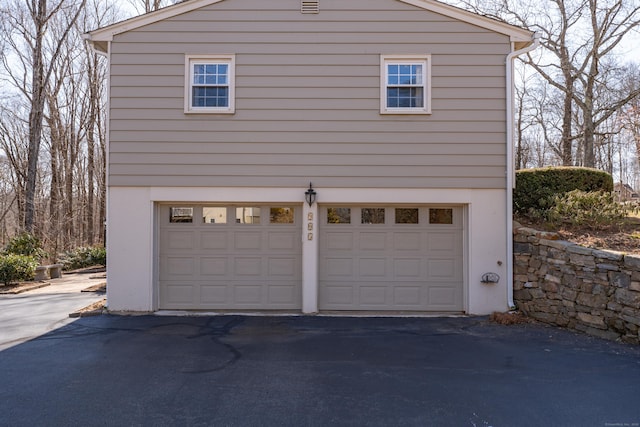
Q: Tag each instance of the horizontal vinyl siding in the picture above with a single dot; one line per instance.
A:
(307, 100)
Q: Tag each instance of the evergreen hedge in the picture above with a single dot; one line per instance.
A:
(535, 188)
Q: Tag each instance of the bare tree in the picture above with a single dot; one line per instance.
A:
(63, 84)
(578, 37)
(146, 6)
(25, 28)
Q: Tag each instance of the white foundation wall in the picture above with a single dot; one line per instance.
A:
(132, 254)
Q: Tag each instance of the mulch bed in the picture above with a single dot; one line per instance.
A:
(99, 287)
(18, 288)
(95, 309)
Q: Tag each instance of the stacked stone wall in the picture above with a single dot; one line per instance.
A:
(564, 284)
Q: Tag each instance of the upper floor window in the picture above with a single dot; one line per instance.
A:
(210, 84)
(405, 84)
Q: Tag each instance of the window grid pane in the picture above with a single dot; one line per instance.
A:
(210, 85)
(405, 85)
(405, 97)
(210, 96)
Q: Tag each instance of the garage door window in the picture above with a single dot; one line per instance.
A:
(441, 216)
(338, 215)
(248, 215)
(372, 216)
(214, 215)
(281, 215)
(407, 215)
(181, 214)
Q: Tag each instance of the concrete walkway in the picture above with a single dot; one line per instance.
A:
(30, 314)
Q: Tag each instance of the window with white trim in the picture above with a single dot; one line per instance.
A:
(209, 86)
(405, 84)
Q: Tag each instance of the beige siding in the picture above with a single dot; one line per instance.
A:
(307, 100)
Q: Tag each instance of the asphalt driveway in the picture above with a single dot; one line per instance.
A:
(316, 371)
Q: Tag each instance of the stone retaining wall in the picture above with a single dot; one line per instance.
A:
(564, 284)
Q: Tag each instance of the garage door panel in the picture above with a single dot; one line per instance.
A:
(372, 267)
(281, 294)
(442, 268)
(214, 240)
(443, 242)
(180, 266)
(214, 294)
(180, 240)
(283, 267)
(408, 296)
(339, 241)
(373, 295)
(180, 293)
(406, 241)
(279, 241)
(213, 266)
(337, 267)
(408, 268)
(248, 294)
(410, 263)
(443, 296)
(254, 263)
(247, 240)
(338, 295)
(372, 241)
(247, 266)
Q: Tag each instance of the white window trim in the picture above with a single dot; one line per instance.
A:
(426, 60)
(188, 79)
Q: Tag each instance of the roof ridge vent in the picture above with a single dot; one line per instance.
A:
(310, 6)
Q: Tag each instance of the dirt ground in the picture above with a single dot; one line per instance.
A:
(623, 238)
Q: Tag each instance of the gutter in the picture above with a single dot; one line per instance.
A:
(511, 181)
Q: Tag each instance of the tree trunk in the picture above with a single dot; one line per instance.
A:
(36, 114)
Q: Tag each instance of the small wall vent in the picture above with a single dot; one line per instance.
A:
(310, 6)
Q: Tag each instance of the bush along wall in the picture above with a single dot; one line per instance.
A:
(588, 290)
(536, 187)
(14, 268)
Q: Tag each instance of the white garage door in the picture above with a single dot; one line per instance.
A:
(391, 258)
(230, 257)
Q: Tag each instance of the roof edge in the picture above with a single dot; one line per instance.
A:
(520, 36)
(106, 34)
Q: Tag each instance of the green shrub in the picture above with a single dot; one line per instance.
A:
(536, 188)
(595, 209)
(25, 244)
(84, 257)
(15, 267)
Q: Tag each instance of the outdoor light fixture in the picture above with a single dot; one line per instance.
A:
(310, 195)
(490, 278)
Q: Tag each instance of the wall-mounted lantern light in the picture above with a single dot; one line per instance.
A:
(310, 195)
